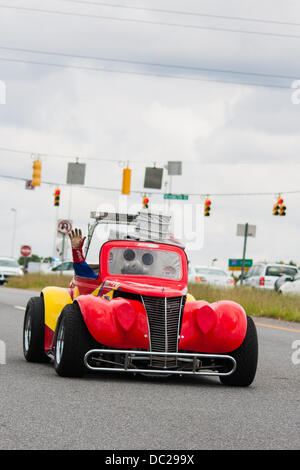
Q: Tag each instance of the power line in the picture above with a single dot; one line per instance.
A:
(159, 193)
(67, 157)
(149, 74)
(184, 12)
(152, 64)
(156, 23)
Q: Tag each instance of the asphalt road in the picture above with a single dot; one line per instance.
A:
(39, 410)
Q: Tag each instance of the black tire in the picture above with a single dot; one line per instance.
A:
(246, 357)
(72, 341)
(34, 331)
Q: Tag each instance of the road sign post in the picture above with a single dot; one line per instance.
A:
(245, 230)
(25, 251)
(64, 227)
(244, 252)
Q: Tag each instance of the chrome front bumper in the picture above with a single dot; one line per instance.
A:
(193, 358)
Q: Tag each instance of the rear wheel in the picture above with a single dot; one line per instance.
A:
(246, 357)
(34, 331)
(73, 340)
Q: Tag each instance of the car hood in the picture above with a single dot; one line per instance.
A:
(145, 288)
(9, 270)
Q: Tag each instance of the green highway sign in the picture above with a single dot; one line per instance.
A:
(236, 264)
(176, 196)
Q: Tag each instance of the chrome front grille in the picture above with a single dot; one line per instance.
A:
(164, 317)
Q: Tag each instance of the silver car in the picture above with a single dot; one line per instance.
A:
(63, 268)
(9, 267)
(210, 275)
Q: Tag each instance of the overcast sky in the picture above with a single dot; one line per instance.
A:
(231, 138)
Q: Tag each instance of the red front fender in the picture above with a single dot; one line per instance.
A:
(118, 323)
(212, 328)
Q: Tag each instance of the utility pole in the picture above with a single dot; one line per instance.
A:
(14, 232)
(244, 253)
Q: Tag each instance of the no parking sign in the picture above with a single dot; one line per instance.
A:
(64, 226)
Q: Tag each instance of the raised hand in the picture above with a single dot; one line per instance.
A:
(76, 238)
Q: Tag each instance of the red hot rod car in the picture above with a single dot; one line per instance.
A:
(138, 317)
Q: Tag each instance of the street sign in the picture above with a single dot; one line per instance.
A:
(28, 184)
(236, 264)
(64, 226)
(241, 230)
(174, 168)
(76, 173)
(176, 196)
(153, 178)
(25, 251)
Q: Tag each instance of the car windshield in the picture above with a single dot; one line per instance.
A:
(280, 270)
(145, 262)
(214, 272)
(9, 263)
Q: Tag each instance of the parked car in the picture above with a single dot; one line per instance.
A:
(291, 287)
(282, 280)
(137, 317)
(210, 275)
(65, 268)
(9, 267)
(264, 275)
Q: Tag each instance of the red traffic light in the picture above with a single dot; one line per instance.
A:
(145, 202)
(57, 197)
(207, 205)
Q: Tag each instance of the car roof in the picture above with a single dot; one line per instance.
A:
(275, 264)
(212, 268)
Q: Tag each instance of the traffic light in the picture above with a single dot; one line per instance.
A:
(279, 208)
(282, 208)
(57, 197)
(126, 181)
(36, 174)
(276, 208)
(207, 205)
(145, 202)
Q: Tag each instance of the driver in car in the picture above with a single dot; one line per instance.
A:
(81, 268)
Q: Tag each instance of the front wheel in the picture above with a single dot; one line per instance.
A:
(72, 342)
(246, 356)
(34, 331)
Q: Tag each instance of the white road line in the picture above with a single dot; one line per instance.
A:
(19, 308)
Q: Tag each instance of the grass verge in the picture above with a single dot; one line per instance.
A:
(256, 302)
(38, 281)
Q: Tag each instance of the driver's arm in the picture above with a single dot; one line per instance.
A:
(81, 268)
